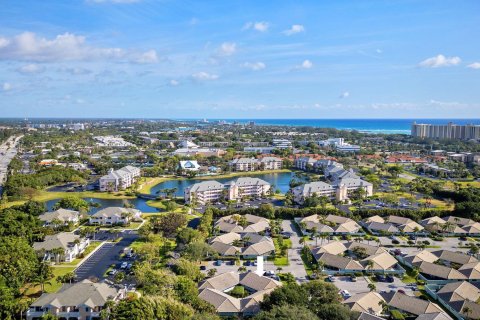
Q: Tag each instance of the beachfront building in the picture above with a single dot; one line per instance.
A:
(70, 244)
(115, 216)
(82, 301)
(212, 191)
(120, 179)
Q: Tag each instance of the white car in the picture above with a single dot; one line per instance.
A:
(345, 294)
(124, 265)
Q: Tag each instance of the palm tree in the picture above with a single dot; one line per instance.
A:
(370, 264)
(372, 287)
(384, 306)
(315, 235)
(466, 310)
(58, 253)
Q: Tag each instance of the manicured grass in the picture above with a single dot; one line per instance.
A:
(149, 183)
(44, 195)
(239, 174)
(281, 260)
(53, 285)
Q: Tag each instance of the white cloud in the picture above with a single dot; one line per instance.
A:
(174, 83)
(475, 65)
(227, 49)
(258, 26)
(28, 46)
(344, 95)
(149, 56)
(255, 66)
(6, 86)
(296, 28)
(306, 64)
(204, 76)
(440, 61)
(379, 51)
(30, 68)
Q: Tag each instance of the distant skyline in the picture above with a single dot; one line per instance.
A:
(240, 59)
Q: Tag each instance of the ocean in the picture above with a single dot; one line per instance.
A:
(388, 126)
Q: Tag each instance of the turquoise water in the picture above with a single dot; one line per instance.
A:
(401, 126)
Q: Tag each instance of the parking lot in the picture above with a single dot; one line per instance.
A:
(361, 285)
(106, 255)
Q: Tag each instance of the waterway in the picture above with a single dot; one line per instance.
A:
(279, 180)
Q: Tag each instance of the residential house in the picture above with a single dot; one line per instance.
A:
(461, 298)
(82, 301)
(189, 165)
(115, 216)
(71, 244)
(215, 291)
(64, 216)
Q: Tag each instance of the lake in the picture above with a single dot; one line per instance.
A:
(140, 204)
(281, 181)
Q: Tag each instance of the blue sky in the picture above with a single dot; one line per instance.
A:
(240, 59)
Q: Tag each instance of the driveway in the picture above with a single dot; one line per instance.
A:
(296, 266)
(100, 261)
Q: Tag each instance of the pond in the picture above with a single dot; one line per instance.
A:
(140, 204)
(280, 180)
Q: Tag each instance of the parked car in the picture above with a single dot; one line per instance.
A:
(218, 262)
(331, 278)
(381, 278)
(401, 291)
(390, 278)
(124, 265)
(112, 272)
(203, 268)
(345, 294)
(247, 263)
(353, 278)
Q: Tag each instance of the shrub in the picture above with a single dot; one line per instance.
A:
(397, 315)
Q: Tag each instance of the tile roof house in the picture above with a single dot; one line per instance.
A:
(71, 244)
(369, 302)
(436, 271)
(329, 224)
(64, 215)
(462, 297)
(82, 300)
(409, 304)
(215, 291)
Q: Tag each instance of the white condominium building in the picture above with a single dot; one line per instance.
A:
(205, 192)
(271, 163)
(248, 187)
(213, 191)
(120, 179)
(245, 164)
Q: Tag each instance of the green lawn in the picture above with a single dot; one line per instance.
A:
(280, 260)
(53, 285)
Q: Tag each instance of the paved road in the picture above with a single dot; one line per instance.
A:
(7, 153)
(100, 261)
(296, 266)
